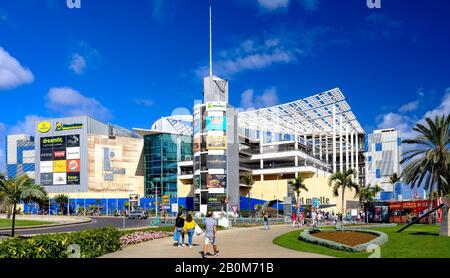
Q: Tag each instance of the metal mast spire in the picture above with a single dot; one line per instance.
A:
(210, 41)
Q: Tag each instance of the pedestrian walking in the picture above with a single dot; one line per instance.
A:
(266, 221)
(294, 218)
(189, 229)
(210, 235)
(179, 225)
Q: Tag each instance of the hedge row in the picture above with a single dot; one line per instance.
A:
(92, 243)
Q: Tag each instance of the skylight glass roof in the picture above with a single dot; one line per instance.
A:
(311, 115)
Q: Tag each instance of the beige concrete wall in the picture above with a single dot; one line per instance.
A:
(185, 188)
(269, 190)
(317, 188)
(128, 155)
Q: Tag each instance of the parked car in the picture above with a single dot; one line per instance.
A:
(138, 214)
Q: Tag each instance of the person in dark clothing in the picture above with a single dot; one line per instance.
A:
(179, 225)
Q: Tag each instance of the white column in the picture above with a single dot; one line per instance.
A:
(334, 139)
(326, 147)
(347, 148)
(314, 145)
(341, 149)
(352, 150)
(320, 146)
(357, 158)
(306, 144)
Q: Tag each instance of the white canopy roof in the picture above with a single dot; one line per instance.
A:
(311, 115)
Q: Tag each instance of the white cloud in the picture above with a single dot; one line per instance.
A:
(254, 54)
(26, 126)
(69, 102)
(273, 5)
(77, 64)
(409, 107)
(12, 73)
(442, 109)
(83, 56)
(394, 120)
(251, 101)
(309, 5)
(144, 101)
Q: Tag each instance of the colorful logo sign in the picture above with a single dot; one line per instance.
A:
(61, 126)
(216, 123)
(216, 181)
(59, 155)
(73, 165)
(59, 178)
(44, 127)
(216, 105)
(216, 142)
(73, 178)
(73, 153)
(59, 166)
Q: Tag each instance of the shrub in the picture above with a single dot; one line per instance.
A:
(93, 243)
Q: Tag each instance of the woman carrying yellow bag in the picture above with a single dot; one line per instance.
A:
(189, 228)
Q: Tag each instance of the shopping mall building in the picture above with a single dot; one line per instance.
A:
(198, 161)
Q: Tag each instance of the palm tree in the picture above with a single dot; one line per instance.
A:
(342, 181)
(247, 179)
(428, 164)
(394, 179)
(19, 189)
(297, 185)
(62, 199)
(367, 194)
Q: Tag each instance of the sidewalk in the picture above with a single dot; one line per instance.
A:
(233, 243)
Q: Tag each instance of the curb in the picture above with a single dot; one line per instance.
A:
(46, 226)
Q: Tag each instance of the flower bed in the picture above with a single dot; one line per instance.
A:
(139, 237)
(308, 236)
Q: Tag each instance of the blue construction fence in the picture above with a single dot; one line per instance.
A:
(250, 203)
(111, 205)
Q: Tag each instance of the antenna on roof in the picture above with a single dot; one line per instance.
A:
(210, 41)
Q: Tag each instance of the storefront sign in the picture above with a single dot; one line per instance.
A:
(52, 142)
(46, 179)
(59, 166)
(59, 155)
(44, 127)
(216, 181)
(62, 127)
(59, 178)
(197, 144)
(73, 165)
(73, 178)
(216, 121)
(217, 162)
(216, 201)
(46, 167)
(216, 142)
(216, 106)
(73, 153)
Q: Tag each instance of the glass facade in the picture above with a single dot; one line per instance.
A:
(161, 155)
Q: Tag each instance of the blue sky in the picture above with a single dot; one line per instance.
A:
(131, 62)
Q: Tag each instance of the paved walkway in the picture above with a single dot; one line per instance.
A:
(233, 243)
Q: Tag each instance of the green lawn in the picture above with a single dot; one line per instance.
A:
(419, 241)
(7, 223)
